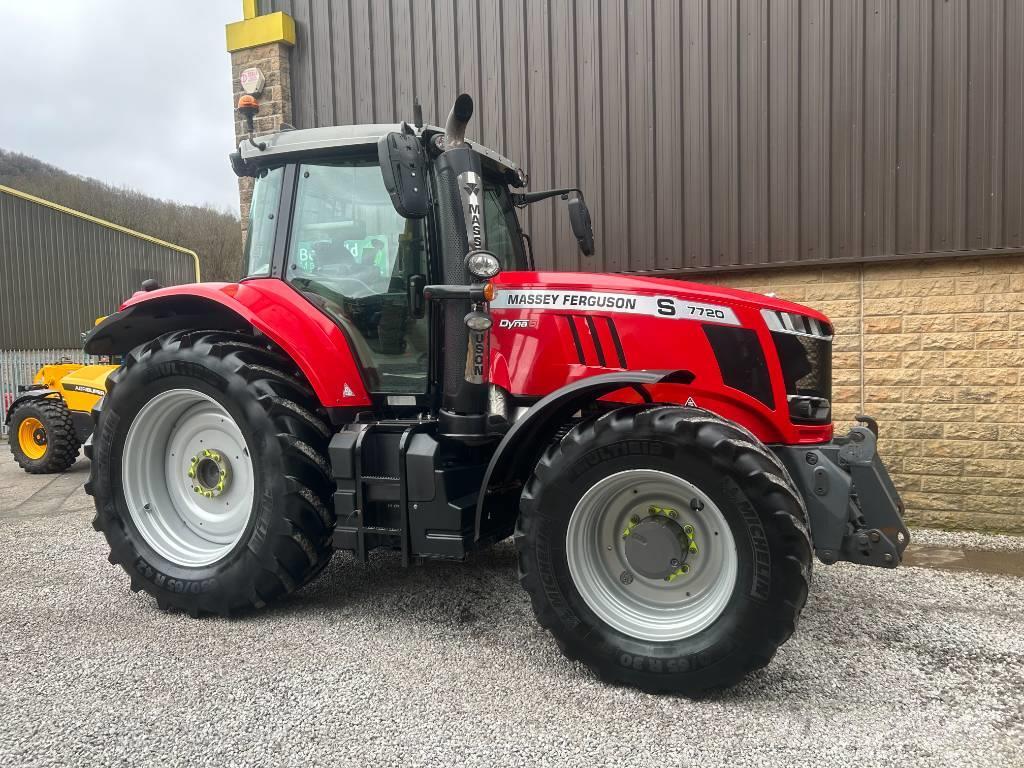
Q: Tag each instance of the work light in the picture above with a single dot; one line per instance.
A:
(482, 264)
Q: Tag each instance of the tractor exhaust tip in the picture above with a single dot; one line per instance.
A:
(458, 119)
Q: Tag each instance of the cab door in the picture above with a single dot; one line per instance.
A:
(364, 264)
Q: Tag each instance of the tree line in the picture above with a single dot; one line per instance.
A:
(216, 236)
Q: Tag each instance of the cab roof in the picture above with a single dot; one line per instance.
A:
(309, 141)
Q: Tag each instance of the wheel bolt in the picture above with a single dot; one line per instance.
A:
(688, 529)
(635, 519)
(626, 577)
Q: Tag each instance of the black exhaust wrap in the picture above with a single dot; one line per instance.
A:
(460, 209)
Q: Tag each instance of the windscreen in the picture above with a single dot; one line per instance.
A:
(259, 241)
(504, 238)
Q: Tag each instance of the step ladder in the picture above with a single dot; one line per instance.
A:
(373, 504)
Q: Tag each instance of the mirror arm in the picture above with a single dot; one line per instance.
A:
(523, 199)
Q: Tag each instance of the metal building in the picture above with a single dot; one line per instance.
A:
(60, 269)
(708, 134)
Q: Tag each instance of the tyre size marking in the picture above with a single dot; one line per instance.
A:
(668, 307)
(179, 586)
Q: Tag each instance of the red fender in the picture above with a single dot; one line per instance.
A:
(318, 347)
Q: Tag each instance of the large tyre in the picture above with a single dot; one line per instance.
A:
(664, 548)
(42, 436)
(209, 475)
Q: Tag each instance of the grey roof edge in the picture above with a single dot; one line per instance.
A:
(309, 140)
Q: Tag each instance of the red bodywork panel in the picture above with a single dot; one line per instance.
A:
(309, 337)
(541, 352)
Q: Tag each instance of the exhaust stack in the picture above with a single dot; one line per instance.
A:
(466, 323)
(458, 119)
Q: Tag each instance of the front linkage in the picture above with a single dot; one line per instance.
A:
(855, 510)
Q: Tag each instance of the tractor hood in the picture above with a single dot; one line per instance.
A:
(758, 360)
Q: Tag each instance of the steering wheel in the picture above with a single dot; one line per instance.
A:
(361, 289)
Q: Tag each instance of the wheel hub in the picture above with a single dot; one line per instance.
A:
(210, 473)
(655, 547)
(658, 546)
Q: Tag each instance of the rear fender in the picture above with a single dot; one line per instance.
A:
(517, 453)
(311, 339)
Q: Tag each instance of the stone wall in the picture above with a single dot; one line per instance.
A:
(935, 351)
(275, 102)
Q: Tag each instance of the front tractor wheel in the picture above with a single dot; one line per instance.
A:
(208, 473)
(665, 548)
(42, 436)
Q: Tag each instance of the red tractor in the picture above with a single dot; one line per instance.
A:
(392, 373)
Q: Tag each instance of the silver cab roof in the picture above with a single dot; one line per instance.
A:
(309, 140)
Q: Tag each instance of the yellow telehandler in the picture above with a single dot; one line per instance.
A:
(50, 419)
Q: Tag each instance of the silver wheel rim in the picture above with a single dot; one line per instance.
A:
(645, 608)
(192, 518)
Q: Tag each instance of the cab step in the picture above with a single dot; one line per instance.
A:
(401, 487)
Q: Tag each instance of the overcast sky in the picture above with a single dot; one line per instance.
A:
(131, 92)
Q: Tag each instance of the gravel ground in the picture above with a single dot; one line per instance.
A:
(444, 664)
(932, 537)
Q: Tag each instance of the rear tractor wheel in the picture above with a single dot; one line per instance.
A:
(42, 436)
(665, 548)
(209, 475)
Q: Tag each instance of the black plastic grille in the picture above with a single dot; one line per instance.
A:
(741, 361)
(807, 371)
(604, 354)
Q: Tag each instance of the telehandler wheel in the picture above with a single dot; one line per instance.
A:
(42, 436)
(209, 475)
(664, 548)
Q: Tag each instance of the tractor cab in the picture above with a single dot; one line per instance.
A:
(323, 220)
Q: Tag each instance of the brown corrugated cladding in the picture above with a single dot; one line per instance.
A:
(708, 134)
(59, 272)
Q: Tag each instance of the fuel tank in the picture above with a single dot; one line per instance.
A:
(757, 360)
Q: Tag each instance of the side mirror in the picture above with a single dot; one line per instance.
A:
(403, 165)
(582, 226)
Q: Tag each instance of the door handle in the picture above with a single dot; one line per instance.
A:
(417, 304)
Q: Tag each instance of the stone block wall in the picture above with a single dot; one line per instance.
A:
(275, 103)
(935, 351)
